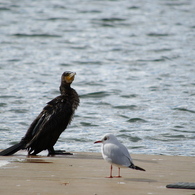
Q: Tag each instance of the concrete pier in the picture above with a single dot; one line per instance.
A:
(84, 174)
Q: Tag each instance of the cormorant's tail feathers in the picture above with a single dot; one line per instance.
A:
(13, 149)
(132, 166)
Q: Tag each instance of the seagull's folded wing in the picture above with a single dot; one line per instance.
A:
(117, 154)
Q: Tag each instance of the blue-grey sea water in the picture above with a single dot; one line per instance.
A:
(135, 65)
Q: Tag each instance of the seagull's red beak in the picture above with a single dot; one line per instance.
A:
(97, 142)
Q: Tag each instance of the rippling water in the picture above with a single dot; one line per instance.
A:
(135, 70)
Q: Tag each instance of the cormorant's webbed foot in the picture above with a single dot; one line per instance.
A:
(58, 152)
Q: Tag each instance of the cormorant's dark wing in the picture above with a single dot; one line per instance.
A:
(48, 126)
(29, 135)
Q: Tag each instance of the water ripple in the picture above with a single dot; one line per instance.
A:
(158, 34)
(36, 35)
(184, 110)
(134, 65)
(130, 107)
(98, 95)
(136, 120)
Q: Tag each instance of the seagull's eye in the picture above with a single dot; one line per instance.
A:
(105, 138)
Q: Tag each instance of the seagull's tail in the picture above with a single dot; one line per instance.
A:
(132, 166)
(139, 168)
(13, 149)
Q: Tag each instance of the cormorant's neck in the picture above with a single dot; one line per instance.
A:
(64, 87)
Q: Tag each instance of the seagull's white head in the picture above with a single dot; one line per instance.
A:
(108, 138)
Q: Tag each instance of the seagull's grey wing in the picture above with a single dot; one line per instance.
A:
(117, 154)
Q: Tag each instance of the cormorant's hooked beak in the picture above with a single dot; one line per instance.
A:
(70, 77)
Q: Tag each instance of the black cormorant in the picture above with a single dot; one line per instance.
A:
(45, 130)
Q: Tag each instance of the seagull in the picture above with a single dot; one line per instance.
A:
(116, 154)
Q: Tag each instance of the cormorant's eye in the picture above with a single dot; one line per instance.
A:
(66, 73)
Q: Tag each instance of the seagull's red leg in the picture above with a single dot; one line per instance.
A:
(119, 170)
(118, 173)
(110, 172)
